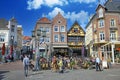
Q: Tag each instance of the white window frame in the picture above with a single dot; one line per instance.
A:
(41, 28)
(56, 27)
(47, 29)
(56, 38)
(100, 12)
(62, 29)
(62, 36)
(2, 37)
(47, 39)
(102, 36)
(112, 36)
(101, 23)
(112, 22)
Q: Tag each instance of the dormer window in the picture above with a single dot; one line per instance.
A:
(100, 12)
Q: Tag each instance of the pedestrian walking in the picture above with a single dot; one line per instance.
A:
(26, 65)
(37, 63)
(98, 68)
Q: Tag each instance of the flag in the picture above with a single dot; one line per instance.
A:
(3, 49)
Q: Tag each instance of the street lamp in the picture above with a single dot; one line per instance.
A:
(37, 54)
(42, 34)
(37, 39)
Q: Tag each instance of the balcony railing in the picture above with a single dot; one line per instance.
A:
(112, 28)
(98, 40)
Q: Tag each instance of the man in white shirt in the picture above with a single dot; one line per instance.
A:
(26, 65)
(98, 64)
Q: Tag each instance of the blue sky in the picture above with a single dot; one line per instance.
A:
(27, 12)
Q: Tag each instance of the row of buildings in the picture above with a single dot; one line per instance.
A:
(103, 31)
(11, 36)
(102, 36)
(51, 37)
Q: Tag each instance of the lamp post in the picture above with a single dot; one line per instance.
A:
(39, 33)
(37, 53)
(37, 38)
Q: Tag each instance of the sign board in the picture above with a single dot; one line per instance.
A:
(104, 64)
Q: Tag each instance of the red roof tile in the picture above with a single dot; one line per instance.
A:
(44, 20)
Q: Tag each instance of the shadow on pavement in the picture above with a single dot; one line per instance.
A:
(35, 73)
(2, 76)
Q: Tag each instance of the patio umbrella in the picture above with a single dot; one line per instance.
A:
(3, 49)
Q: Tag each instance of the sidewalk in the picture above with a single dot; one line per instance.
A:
(116, 66)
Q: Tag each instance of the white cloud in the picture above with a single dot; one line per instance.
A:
(81, 17)
(36, 4)
(55, 12)
(83, 1)
(55, 2)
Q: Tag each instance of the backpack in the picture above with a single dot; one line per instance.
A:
(26, 62)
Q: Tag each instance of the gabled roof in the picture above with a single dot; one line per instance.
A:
(26, 38)
(100, 6)
(44, 20)
(76, 23)
(13, 19)
(58, 16)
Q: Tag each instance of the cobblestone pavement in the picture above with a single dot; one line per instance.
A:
(107, 74)
(14, 71)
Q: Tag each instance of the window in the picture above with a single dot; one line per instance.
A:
(2, 38)
(62, 29)
(56, 28)
(75, 30)
(112, 35)
(101, 23)
(41, 28)
(100, 12)
(102, 36)
(47, 39)
(56, 38)
(62, 38)
(112, 22)
(12, 28)
(59, 21)
(41, 39)
(47, 30)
